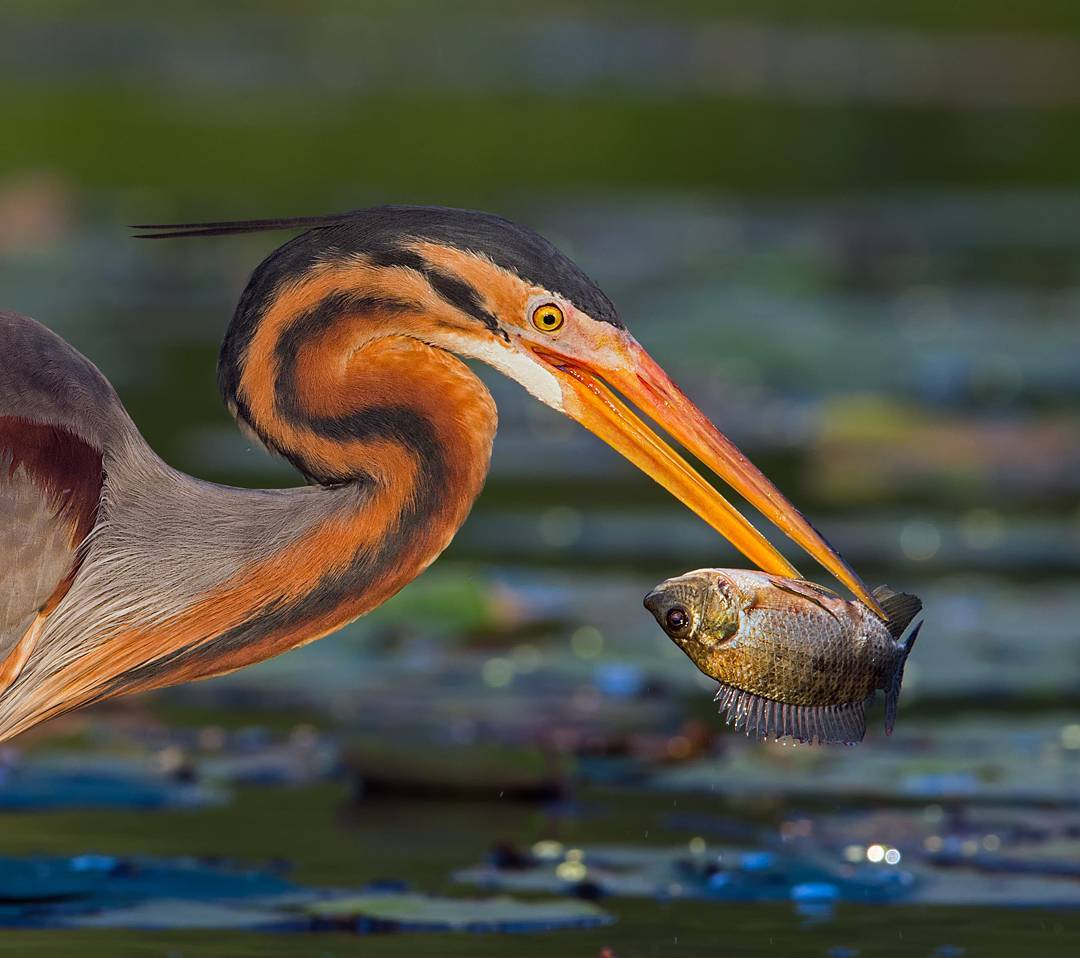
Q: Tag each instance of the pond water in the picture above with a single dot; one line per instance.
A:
(890, 332)
(523, 667)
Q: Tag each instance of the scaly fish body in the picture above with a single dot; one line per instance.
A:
(791, 657)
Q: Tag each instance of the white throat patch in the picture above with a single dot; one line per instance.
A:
(531, 373)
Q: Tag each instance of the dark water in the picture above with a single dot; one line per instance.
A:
(867, 274)
(333, 843)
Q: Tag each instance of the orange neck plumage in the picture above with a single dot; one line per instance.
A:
(339, 382)
(344, 384)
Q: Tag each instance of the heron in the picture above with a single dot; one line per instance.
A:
(347, 355)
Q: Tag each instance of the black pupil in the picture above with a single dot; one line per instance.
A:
(549, 319)
(677, 619)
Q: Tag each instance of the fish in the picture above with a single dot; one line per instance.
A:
(792, 657)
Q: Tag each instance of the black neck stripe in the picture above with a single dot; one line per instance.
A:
(398, 423)
(451, 289)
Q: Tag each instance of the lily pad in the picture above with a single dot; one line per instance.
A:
(171, 913)
(86, 782)
(720, 875)
(413, 912)
(457, 772)
(92, 882)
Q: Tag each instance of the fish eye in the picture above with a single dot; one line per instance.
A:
(547, 317)
(677, 619)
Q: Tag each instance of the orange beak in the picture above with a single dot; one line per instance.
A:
(588, 397)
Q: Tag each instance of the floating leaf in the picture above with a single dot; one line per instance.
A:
(423, 913)
(171, 913)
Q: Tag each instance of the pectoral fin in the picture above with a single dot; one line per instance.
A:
(811, 591)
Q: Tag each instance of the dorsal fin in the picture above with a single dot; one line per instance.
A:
(900, 607)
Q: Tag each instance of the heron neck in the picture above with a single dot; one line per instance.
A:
(401, 429)
(397, 431)
(405, 430)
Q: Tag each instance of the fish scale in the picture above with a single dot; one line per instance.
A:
(792, 658)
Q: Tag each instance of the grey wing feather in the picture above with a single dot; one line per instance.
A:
(44, 380)
(36, 549)
(57, 414)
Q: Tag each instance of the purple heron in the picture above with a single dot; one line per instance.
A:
(121, 574)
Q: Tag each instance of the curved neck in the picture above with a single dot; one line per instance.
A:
(346, 381)
(403, 428)
(397, 430)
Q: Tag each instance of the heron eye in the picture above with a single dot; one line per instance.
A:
(548, 318)
(677, 619)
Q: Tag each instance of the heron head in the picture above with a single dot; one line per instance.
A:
(553, 330)
(489, 289)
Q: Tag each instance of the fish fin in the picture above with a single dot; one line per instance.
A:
(892, 696)
(813, 724)
(900, 607)
(815, 593)
(810, 587)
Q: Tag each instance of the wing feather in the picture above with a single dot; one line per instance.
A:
(57, 412)
(50, 487)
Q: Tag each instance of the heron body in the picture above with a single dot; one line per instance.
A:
(345, 355)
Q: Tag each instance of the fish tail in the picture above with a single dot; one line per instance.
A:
(892, 696)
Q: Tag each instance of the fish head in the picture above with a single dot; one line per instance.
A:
(699, 611)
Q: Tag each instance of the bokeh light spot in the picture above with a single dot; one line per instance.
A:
(587, 642)
(920, 540)
(498, 673)
(560, 526)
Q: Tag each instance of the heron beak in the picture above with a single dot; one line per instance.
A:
(589, 397)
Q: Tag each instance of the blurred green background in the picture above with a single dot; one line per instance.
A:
(850, 230)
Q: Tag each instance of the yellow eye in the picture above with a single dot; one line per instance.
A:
(547, 318)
